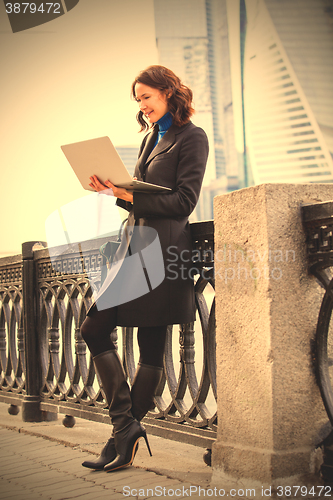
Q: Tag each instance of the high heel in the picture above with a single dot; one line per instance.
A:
(126, 442)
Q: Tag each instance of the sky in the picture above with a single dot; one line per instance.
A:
(64, 81)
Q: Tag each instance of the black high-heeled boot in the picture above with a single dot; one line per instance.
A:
(110, 370)
(143, 390)
(145, 382)
(108, 454)
(126, 441)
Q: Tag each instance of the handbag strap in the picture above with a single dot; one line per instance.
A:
(120, 232)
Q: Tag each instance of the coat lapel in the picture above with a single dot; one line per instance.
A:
(149, 152)
(163, 145)
(166, 142)
(146, 150)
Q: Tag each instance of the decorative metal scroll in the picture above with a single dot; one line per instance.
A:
(12, 378)
(186, 397)
(318, 224)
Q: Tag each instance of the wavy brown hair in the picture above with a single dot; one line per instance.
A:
(163, 79)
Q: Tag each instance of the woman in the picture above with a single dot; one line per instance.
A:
(172, 155)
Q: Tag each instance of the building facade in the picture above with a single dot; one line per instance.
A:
(261, 73)
(188, 41)
(282, 72)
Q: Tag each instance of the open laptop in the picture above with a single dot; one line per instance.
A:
(100, 157)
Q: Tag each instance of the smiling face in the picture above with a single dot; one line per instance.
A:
(152, 102)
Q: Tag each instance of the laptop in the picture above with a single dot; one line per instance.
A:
(100, 157)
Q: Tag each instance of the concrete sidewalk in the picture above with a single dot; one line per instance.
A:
(43, 460)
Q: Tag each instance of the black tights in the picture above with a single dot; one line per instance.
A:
(97, 327)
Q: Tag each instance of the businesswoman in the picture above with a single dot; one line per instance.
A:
(173, 154)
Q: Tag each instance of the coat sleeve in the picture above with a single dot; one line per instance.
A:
(127, 205)
(190, 171)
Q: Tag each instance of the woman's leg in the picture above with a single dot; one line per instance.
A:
(97, 328)
(151, 342)
(120, 449)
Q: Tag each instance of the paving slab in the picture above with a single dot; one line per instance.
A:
(173, 459)
(43, 461)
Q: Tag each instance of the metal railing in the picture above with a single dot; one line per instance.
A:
(318, 225)
(47, 369)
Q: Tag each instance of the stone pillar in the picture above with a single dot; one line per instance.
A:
(270, 412)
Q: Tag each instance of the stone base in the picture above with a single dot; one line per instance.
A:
(276, 473)
(298, 486)
(31, 411)
(263, 465)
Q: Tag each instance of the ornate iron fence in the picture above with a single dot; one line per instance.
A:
(318, 224)
(47, 369)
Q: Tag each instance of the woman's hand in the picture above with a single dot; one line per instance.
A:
(98, 186)
(110, 189)
(121, 193)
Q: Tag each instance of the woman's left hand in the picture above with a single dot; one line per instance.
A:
(99, 186)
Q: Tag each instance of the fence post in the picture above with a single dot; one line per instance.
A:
(31, 411)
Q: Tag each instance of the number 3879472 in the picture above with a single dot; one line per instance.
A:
(33, 8)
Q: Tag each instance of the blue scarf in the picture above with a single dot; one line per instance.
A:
(164, 124)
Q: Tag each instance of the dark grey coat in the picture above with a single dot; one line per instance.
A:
(178, 162)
